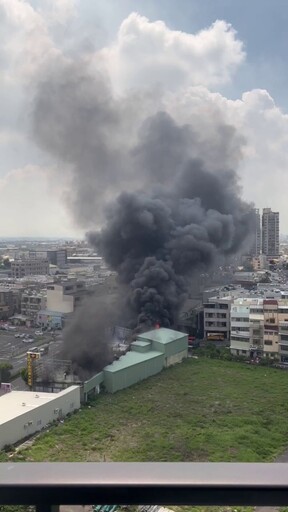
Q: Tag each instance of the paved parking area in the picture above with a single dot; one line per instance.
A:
(14, 349)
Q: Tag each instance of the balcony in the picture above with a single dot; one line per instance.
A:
(48, 485)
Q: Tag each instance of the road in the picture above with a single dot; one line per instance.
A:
(13, 350)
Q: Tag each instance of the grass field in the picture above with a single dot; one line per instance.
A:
(201, 410)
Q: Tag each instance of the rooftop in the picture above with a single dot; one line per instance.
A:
(139, 343)
(11, 404)
(130, 359)
(49, 312)
(162, 335)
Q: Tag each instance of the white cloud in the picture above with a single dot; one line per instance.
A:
(263, 168)
(145, 53)
(8, 137)
(31, 205)
(27, 45)
(58, 12)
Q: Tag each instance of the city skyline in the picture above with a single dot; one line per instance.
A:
(230, 80)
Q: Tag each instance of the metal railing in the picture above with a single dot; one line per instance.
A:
(47, 485)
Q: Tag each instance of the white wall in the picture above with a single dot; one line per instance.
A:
(18, 428)
(56, 301)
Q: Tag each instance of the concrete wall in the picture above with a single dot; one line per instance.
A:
(57, 301)
(92, 386)
(19, 428)
(176, 358)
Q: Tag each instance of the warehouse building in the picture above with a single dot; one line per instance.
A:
(150, 353)
(22, 413)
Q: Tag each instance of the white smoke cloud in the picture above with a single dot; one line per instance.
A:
(146, 53)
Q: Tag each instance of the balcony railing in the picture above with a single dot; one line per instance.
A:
(48, 485)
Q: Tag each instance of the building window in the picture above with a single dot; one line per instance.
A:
(72, 405)
(268, 342)
(39, 422)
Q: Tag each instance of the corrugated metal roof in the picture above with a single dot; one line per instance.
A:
(139, 343)
(162, 335)
(130, 359)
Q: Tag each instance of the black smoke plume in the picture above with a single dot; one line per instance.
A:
(166, 194)
(86, 341)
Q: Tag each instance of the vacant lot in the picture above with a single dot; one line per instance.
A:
(201, 410)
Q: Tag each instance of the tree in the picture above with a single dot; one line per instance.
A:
(5, 373)
(24, 375)
(6, 263)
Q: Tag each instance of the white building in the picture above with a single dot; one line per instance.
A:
(64, 297)
(240, 327)
(256, 236)
(22, 413)
(247, 327)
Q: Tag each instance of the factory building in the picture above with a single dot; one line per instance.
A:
(22, 413)
(150, 354)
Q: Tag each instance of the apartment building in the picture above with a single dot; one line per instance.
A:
(240, 327)
(217, 316)
(259, 327)
(283, 330)
(27, 267)
(271, 339)
(31, 303)
(66, 296)
(56, 257)
(6, 304)
(256, 235)
(270, 233)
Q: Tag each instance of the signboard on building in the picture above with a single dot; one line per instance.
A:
(31, 356)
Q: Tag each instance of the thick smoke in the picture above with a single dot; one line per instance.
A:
(86, 340)
(165, 192)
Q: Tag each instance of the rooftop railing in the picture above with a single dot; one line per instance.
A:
(48, 485)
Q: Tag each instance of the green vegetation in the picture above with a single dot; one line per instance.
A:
(5, 373)
(204, 409)
(24, 374)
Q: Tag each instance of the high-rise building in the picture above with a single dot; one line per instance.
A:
(270, 233)
(256, 240)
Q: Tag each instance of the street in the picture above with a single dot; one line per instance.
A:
(13, 350)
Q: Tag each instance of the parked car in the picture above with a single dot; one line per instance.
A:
(28, 340)
(39, 333)
(17, 335)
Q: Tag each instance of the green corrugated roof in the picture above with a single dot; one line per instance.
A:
(141, 343)
(130, 359)
(162, 335)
